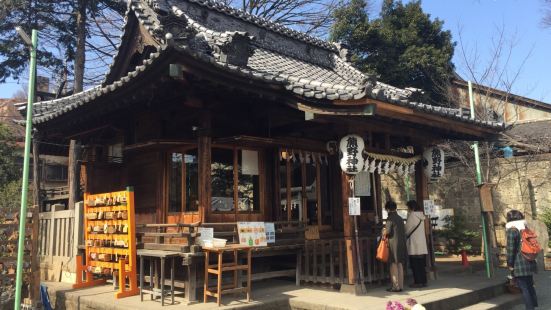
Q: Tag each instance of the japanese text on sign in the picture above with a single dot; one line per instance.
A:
(354, 206)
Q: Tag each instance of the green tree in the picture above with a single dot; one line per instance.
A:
(403, 46)
(9, 169)
(70, 33)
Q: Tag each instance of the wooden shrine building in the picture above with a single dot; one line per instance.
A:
(217, 116)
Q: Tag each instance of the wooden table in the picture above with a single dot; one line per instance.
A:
(153, 256)
(221, 267)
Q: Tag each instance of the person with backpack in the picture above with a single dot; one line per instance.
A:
(522, 250)
(416, 243)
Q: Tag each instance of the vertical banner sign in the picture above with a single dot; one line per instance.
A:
(351, 148)
(354, 206)
(434, 163)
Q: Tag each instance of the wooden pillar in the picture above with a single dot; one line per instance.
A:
(421, 183)
(73, 174)
(36, 173)
(422, 193)
(204, 152)
(348, 231)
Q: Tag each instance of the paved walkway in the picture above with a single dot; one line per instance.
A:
(543, 290)
(279, 294)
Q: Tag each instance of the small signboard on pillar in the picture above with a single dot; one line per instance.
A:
(354, 206)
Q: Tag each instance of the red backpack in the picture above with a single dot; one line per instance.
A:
(529, 246)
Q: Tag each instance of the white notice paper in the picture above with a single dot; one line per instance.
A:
(206, 234)
(362, 184)
(249, 162)
(252, 233)
(270, 232)
(429, 207)
(354, 206)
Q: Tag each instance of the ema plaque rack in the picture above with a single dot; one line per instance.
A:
(110, 242)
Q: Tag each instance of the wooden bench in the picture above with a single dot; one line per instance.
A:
(161, 232)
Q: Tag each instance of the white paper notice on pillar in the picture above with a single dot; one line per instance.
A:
(362, 185)
(434, 163)
(354, 206)
(351, 148)
(428, 205)
(249, 162)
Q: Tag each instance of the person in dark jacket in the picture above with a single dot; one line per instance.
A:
(396, 234)
(521, 269)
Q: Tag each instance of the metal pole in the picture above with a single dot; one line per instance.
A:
(479, 182)
(25, 185)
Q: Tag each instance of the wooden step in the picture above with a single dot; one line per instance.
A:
(505, 301)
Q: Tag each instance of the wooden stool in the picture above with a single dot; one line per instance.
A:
(220, 267)
(153, 256)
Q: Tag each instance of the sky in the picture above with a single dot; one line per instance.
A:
(475, 25)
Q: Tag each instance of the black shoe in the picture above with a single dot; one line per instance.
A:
(393, 290)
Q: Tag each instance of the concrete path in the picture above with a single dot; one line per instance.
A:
(543, 290)
(451, 287)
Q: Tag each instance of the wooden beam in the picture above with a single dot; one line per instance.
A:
(36, 173)
(348, 231)
(204, 152)
(421, 180)
(423, 118)
(73, 174)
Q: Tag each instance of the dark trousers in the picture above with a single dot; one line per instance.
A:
(418, 263)
(526, 285)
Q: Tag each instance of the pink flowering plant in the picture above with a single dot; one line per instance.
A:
(411, 304)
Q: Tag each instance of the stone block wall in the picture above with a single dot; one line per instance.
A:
(522, 183)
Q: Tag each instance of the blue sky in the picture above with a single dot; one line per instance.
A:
(480, 22)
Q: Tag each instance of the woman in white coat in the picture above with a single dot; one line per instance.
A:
(416, 243)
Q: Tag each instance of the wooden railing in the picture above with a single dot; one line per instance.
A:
(324, 261)
(60, 233)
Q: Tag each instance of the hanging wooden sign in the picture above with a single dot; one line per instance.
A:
(351, 148)
(433, 159)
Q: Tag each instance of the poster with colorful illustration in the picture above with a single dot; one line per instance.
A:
(252, 233)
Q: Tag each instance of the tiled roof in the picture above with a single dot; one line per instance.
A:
(44, 111)
(252, 48)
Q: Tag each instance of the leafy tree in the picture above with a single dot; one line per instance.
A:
(311, 16)
(9, 169)
(69, 31)
(403, 46)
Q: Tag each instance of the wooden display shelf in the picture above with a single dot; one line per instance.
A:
(128, 285)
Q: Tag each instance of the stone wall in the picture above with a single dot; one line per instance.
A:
(522, 183)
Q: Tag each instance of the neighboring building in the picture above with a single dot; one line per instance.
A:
(498, 105)
(53, 168)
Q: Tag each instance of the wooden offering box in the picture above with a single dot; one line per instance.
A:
(110, 240)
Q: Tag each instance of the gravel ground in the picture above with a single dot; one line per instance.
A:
(543, 290)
